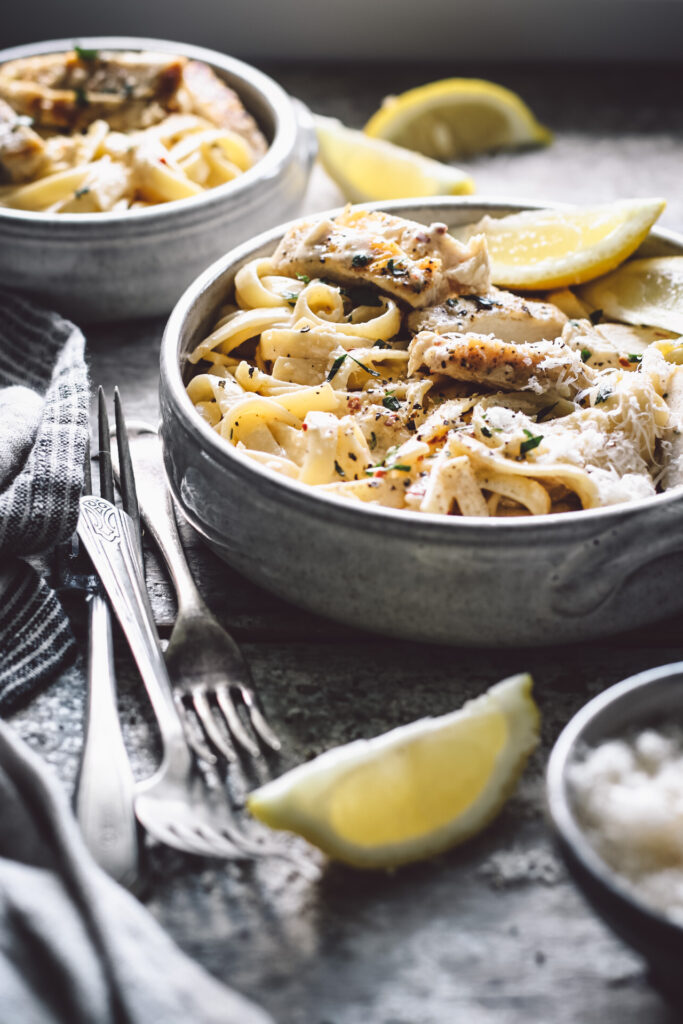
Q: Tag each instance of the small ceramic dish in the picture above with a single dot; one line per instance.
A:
(446, 579)
(648, 699)
(111, 266)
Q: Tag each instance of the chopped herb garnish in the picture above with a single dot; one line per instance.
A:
(390, 402)
(486, 432)
(360, 260)
(291, 297)
(338, 469)
(633, 357)
(381, 344)
(128, 90)
(453, 304)
(602, 395)
(481, 302)
(530, 443)
(545, 411)
(84, 54)
(585, 355)
(303, 277)
(394, 269)
(81, 97)
(372, 443)
(595, 317)
(340, 359)
(335, 366)
(83, 191)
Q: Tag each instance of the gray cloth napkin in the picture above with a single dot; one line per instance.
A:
(75, 948)
(43, 436)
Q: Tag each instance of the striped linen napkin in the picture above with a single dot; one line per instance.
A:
(43, 435)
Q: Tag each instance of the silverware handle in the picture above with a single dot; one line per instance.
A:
(156, 508)
(104, 789)
(107, 533)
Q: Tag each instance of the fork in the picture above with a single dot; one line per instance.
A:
(205, 664)
(176, 805)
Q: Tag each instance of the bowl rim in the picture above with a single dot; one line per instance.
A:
(281, 106)
(374, 516)
(559, 804)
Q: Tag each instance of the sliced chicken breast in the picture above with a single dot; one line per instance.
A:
(211, 98)
(65, 90)
(419, 265)
(500, 313)
(483, 359)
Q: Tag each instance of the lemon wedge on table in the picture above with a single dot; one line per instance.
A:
(555, 248)
(368, 169)
(412, 792)
(647, 291)
(457, 117)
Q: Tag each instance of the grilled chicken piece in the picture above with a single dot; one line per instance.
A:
(65, 90)
(502, 314)
(211, 98)
(417, 264)
(486, 360)
(22, 151)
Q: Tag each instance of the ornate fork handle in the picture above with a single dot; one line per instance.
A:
(108, 536)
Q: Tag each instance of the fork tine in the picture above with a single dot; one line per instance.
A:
(259, 724)
(106, 472)
(87, 470)
(192, 731)
(129, 496)
(201, 705)
(237, 730)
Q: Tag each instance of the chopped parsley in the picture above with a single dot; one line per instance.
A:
(291, 297)
(394, 269)
(545, 411)
(595, 317)
(372, 443)
(585, 355)
(391, 402)
(486, 432)
(602, 395)
(633, 357)
(338, 469)
(532, 441)
(360, 260)
(481, 302)
(84, 54)
(340, 359)
(303, 277)
(381, 344)
(80, 192)
(453, 304)
(81, 97)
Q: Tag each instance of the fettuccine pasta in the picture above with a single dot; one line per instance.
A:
(371, 357)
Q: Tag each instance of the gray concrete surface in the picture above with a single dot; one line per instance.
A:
(491, 933)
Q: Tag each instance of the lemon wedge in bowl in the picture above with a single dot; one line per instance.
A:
(457, 117)
(368, 169)
(412, 792)
(647, 291)
(558, 247)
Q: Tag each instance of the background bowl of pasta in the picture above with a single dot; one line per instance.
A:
(128, 165)
(547, 558)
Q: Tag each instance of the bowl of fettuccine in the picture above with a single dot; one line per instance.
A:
(128, 165)
(356, 418)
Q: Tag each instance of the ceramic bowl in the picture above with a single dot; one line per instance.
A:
(449, 579)
(112, 266)
(648, 699)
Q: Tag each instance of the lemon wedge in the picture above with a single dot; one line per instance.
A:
(457, 117)
(367, 169)
(648, 291)
(554, 248)
(412, 792)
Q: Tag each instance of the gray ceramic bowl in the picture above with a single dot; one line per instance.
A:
(649, 698)
(496, 582)
(111, 266)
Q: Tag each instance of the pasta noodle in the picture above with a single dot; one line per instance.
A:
(89, 131)
(441, 408)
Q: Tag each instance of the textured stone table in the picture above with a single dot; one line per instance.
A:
(492, 933)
